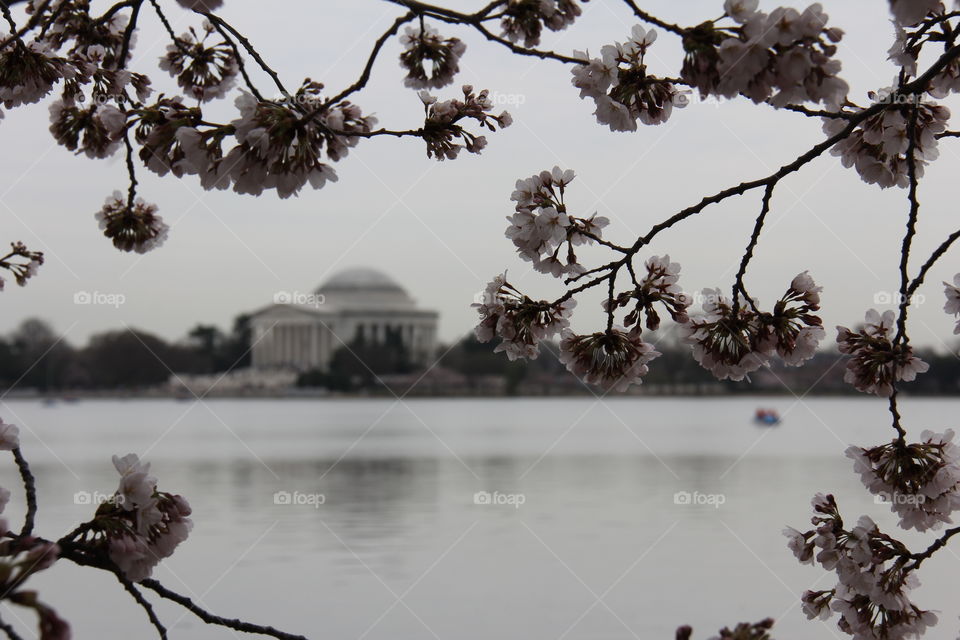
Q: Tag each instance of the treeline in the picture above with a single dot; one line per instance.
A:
(35, 357)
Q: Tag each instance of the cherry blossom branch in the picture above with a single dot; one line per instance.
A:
(248, 46)
(938, 544)
(932, 260)
(368, 67)
(901, 337)
(144, 604)
(34, 20)
(646, 17)
(128, 34)
(895, 414)
(30, 491)
(79, 554)
(209, 618)
(738, 287)
(238, 56)
(524, 51)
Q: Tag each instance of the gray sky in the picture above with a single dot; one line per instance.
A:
(438, 227)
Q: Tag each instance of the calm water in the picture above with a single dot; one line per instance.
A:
(399, 549)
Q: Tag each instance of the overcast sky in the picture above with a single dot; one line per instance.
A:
(437, 228)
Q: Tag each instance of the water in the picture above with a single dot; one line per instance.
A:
(399, 549)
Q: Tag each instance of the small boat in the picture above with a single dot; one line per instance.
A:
(766, 417)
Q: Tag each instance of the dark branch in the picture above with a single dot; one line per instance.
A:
(30, 489)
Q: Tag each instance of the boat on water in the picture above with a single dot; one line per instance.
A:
(766, 417)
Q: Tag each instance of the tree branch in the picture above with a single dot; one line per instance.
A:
(30, 489)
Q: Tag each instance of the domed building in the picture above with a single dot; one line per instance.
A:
(358, 306)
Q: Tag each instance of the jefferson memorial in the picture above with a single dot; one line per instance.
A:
(301, 332)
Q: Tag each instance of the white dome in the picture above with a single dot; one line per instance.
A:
(364, 288)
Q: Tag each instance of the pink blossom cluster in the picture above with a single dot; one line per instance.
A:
(204, 72)
(733, 341)
(874, 580)
(785, 56)
(29, 71)
(952, 305)
(22, 263)
(140, 526)
(431, 61)
(524, 20)
(878, 147)
(442, 128)
(920, 480)
(658, 286)
(622, 89)
(613, 359)
(519, 322)
(131, 226)
(876, 362)
(542, 230)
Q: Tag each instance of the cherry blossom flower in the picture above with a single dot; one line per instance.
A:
(732, 341)
(612, 359)
(877, 149)
(920, 481)
(518, 321)
(204, 72)
(28, 72)
(441, 127)
(9, 437)
(620, 87)
(740, 10)
(135, 227)
(523, 20)
(658, 286)
(540, 228)
(431, 61)
(723, 339)
(137, 486)
(793, 332)
(906, 57)
(952, 305)
(141, 526)
(874, 579)
(96, 131)
(785, 56)
(877, 363)
(911, 12)
(14, 263)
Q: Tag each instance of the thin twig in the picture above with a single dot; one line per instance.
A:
(901, 337)
(738, 286)
(29, 489)
(209, 618)
(144, 603)
(932, 260)
(933, 548)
